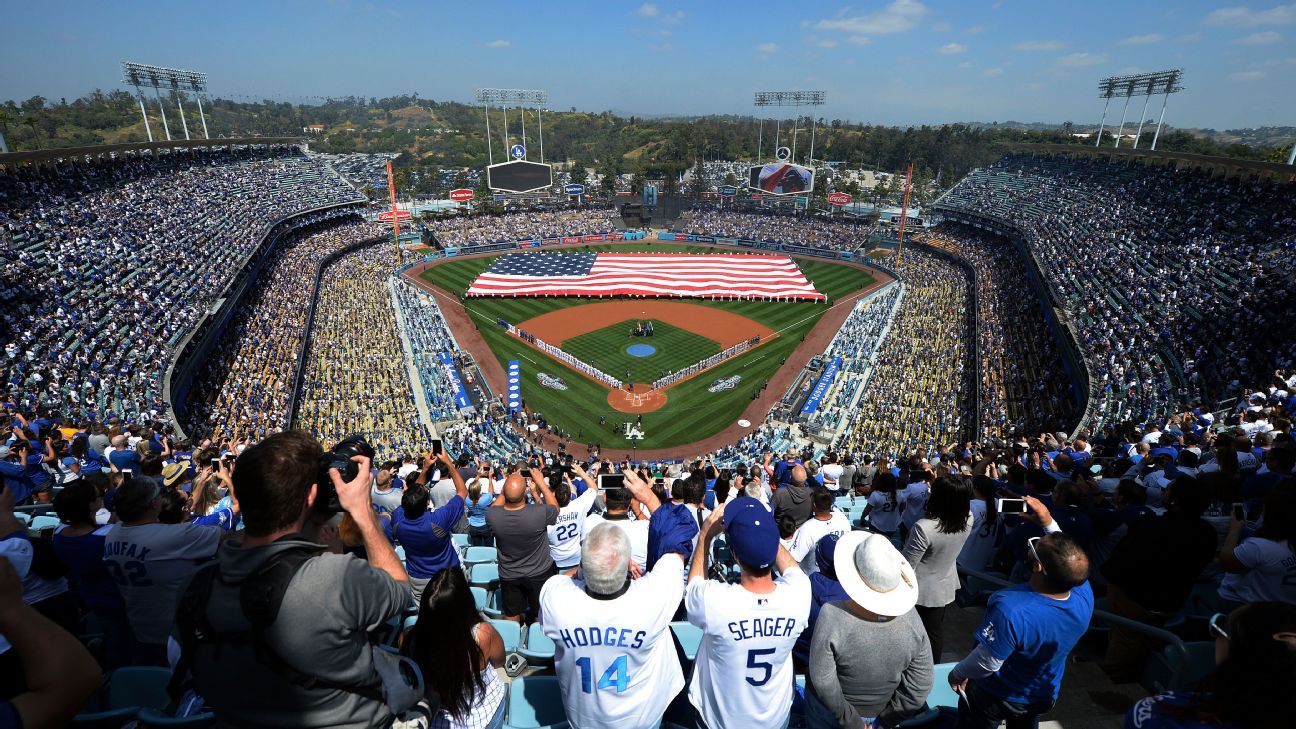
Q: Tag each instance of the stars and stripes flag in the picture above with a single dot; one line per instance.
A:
(681, 275)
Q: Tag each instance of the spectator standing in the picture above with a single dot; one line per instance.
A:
(824, 588)
(386, 497)
(882, 511)
(791, 501)
(1015, 672)
(869, 658)
(615, 658)
(565, 534)
(458, 653)
(1262, 568)
(150, 561)
(748, 628)
(79, 545)
(426, 534)
(826, 521)
(832, 474)
(933, 547)
(310, 664)
(522, 538)
(617, 513)
(480, 497)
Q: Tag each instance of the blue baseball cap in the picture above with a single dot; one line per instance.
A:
(753, 536)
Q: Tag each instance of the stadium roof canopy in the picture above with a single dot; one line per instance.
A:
(1226, 166)
(43, 156)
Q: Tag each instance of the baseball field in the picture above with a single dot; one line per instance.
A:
(684, 332)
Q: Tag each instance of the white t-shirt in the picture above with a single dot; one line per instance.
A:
(980, 547)
(635, 529)
(566, 534)
(808, 535)
(831, 473)
(615, 659)
(19, 551)
(914, 497)
(149, 562)
(743, 673)
(885, 515)
(1272, 575)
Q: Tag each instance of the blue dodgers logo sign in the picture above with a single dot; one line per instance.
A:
(727, 383)
(553, 383)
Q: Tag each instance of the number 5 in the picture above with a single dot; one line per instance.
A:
(768, 668)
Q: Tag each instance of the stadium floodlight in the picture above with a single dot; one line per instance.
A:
(521, 98)
(1146, 85)
(789, 98)
(175, 80)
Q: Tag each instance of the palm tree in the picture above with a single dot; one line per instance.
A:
(30, 121)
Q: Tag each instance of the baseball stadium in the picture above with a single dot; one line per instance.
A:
(351, 411)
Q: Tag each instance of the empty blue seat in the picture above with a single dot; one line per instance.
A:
(535, 702)
(538, 648)
(690, 638)
(460, 540)
(941, 693)
(485, 575)
(478, 555)
(510, 633)
(43, 522)
(481, 597)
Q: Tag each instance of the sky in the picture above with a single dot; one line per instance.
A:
(880, 61)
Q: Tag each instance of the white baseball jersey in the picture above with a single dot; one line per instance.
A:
(615, 659)
(635, 529)
(150, 562)
(885, 514)
(565, 534)
(808, 535)
(743, 674)
(914, 497)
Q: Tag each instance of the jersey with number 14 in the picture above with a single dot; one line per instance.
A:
(615, 659)
(743, 675)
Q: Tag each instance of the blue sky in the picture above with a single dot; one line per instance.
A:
(881, 61)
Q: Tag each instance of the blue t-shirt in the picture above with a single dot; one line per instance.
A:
(1150, 713)
(426, 554)
(1032, 635)
(125, 459)
(224, 518)
(823, 590)
(87, 572)
(477, 510)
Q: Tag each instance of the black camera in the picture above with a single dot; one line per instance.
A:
(340, 458)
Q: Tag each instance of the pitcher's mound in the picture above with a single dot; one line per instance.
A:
(642, 400)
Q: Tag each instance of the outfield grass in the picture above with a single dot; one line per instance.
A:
(691, 413)
(606, 349)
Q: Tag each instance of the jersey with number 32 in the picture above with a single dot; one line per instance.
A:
(743, 674)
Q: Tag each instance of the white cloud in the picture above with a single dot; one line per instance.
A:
(1262, 38)
(818, 42)
(768, 48)
(860, 40)
(1244, 17)
(1290, 61)
(1077, 60)
(975, 29)
(992, 72)
(499, 44)
(1042, 45)
(1246, 75)
(1141, 40)
(674, 17)
(950, 49)
(648, 10)
(899, 16)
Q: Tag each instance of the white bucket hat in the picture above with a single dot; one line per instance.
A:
(874, 574)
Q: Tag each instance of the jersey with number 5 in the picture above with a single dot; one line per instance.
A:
(615, 659)
(743, 674)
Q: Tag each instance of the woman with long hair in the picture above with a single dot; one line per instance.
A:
(1260, 567)
(458, 653)
(480, 497)
(882, 511)
(1255, 665)
(987, 528)
(932, 548)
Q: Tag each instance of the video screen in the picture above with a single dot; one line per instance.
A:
(781, 178)
(519, 176)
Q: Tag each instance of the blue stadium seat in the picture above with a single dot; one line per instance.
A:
(485, 575)
(478, 555)
(538, 649)
(510, 632)
(690, 638)
(492, 609)
(129, 690)
(460, 540)
(534, 702)
(481, 597)
(941, 693)
(400, 553)
(43, 522)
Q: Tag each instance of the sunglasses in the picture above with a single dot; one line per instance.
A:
(1217, 623)
(1035, 553)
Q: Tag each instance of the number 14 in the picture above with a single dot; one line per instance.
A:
(616, 676)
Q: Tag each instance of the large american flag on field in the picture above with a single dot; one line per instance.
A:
(682, 275)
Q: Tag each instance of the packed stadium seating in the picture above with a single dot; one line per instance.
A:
(813, 232)
(457, 232)
(428, 335)
(1164, 270)
(117, 260)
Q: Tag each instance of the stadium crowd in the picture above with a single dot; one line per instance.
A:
(356, 379)
(464, 231)
(1023, 387)
(116, 260)
(245, 386)
(428, 336)
(801, 230)
(1166, 270)
(918, 396)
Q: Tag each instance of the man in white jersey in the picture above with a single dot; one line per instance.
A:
(614, 655)
(617, 502)
(565, 534)
(743, 675)
(826, 520)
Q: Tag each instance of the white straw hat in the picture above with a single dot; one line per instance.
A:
(874, 574)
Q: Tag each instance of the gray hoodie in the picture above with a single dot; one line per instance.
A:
(332, 602)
